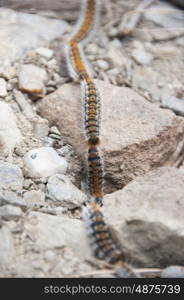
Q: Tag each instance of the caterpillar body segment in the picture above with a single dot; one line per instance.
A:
(91, 112)
(95, 174)
(76, 61)
(88, 22)
(104, 247)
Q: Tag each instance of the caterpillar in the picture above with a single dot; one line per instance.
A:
(103, 245)
(102, 242)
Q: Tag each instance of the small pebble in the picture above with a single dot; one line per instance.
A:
(43, 162)
(9, 212)
(102, 64)
(173, 272)
(3, 88)
(46, 52)
(32, 79)
(176, 104)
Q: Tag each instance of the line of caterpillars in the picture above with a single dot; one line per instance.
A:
(91, 101)
(103, 245)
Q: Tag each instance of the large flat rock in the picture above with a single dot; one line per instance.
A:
(20, 32)
(148, 217)
(136, 136)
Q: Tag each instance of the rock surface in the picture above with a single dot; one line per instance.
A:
(11, 177)
(148, 217)
(62, 190)
(56, 5)
(6, 247)
(166, 15)
(176, 104)
(9, 212)
(140, 55)
(173, 272)
(10, 135)
(34, 198)
(21, 32)
(54, 232)
(136, 136)
(3, 90)
(43, 162)
(32, 79)
(9, 197)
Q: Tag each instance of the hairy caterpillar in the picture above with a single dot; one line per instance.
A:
(104, 247)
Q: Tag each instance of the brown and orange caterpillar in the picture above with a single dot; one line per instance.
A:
(90, 93)
(102, 243)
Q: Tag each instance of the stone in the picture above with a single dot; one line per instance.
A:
(57, 5)
(9, 212)
(139, 80)
(55, 232)
(176, 104)
(166, 16)
(21, 32)
(24, 105)
(45, 52)
(32, 79)
(43, 162)
(117, 57)
(173, 272)
(148, 218)
(11, 177)
(8, 72)
(9, 197)
(6, 247)
(40, 127)
(140, 55)
(3, 88)
(62, 190)
(34, 198)
(102, 64)
(10, 135)
(180, 41)
(136, 136)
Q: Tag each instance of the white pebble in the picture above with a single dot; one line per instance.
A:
(32, 79)
(9, 212)
(44, 162)
(103, 64)
(46, 52)
(3, 88)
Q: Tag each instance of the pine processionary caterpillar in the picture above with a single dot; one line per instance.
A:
(104, 247)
